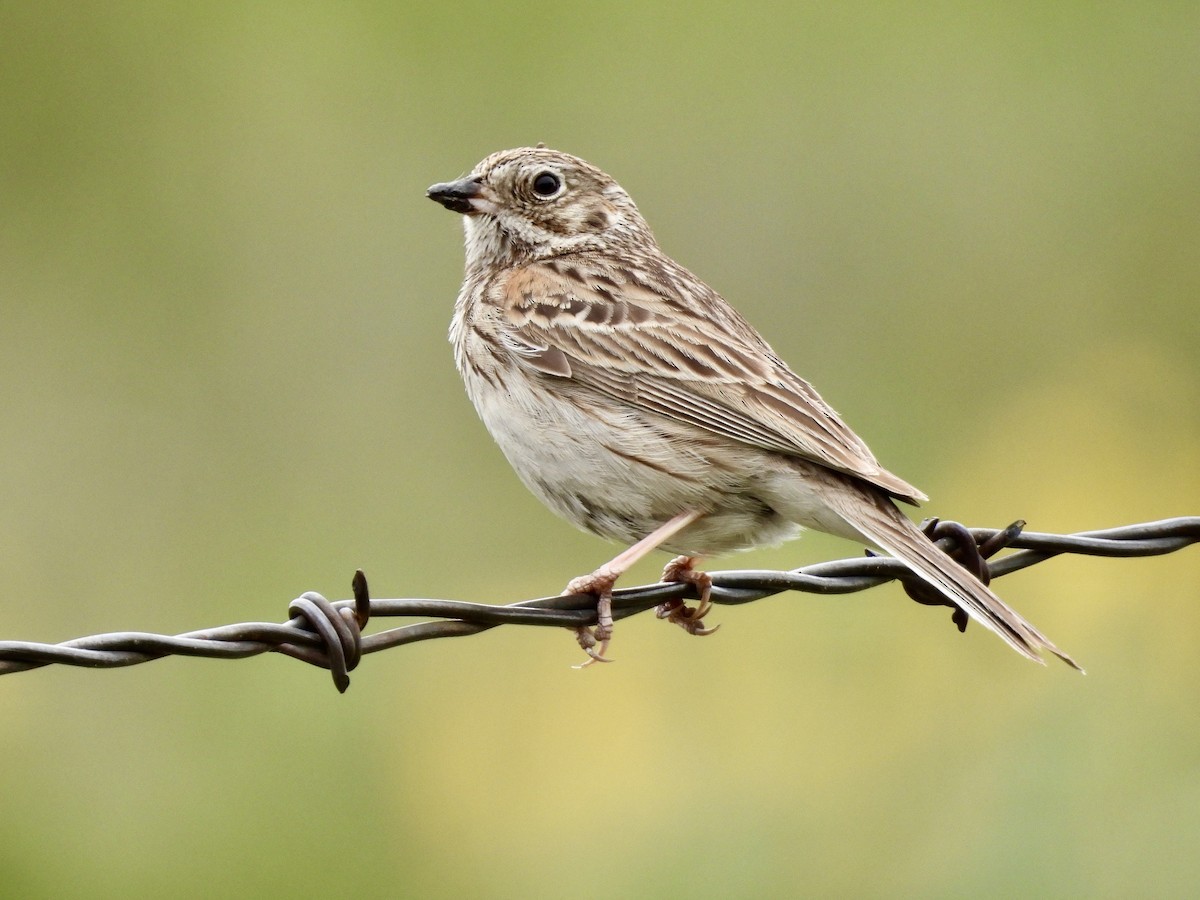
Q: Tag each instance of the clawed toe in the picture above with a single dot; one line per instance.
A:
(682, 569)
(602, 580)
(593, 647)
(689, 619)
(594, 641)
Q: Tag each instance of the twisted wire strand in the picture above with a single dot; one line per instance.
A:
(329, 634)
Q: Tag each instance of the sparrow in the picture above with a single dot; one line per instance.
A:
(636, 403)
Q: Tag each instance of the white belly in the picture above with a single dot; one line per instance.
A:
(620, 473)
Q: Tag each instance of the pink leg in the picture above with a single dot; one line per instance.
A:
(602, 580)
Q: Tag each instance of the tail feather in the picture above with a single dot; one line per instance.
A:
(884, 525)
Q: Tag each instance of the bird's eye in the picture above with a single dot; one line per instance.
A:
(546, 184)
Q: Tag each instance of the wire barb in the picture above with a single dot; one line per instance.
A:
(329, 634)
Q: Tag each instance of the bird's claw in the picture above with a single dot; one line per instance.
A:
(689, 619)
(682, 569)
(599, 583)
(588, 641)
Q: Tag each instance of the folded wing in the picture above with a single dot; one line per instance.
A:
(628, 331)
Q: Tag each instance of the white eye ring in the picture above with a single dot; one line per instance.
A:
(546, 184)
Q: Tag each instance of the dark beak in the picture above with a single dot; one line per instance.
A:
(456, 196)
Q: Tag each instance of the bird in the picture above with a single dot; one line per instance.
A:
(634, 401)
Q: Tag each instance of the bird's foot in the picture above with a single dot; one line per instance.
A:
(595, 641)
(682, 569)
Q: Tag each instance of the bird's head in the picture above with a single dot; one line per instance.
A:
(534, 203)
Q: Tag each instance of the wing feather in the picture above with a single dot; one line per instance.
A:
(652, 335)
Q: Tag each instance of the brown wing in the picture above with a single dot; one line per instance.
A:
(655, 337)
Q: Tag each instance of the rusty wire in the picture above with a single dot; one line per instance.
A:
(329, 634)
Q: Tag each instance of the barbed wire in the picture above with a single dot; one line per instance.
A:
(329, 634)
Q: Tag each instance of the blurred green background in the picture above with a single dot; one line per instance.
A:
(976, 228)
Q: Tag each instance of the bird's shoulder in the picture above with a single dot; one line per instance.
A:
(640, 297)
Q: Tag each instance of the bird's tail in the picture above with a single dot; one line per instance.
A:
(878, 520)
